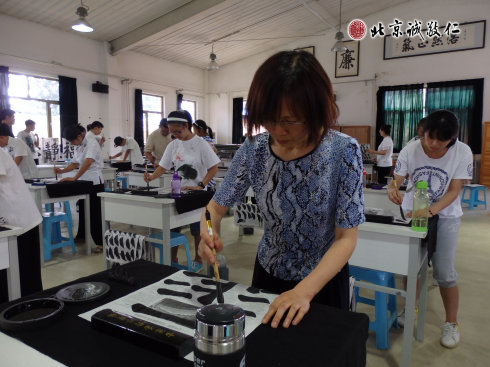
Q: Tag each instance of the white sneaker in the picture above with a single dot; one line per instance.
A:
(449, 335)
(401, 317)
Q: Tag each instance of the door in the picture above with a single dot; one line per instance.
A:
(485, 156)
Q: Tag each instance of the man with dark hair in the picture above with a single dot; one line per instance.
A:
(7, 117)
(157, 143)
(27, 136)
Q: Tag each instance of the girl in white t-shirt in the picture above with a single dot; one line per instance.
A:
(195, 161)
(445, 163)
(384, 162)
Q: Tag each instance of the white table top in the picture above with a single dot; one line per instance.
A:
(402, 231)
(13, 231)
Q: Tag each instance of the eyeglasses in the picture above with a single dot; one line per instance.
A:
(175, 132)
(283, 124)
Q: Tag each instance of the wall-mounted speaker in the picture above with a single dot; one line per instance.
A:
(98, 87)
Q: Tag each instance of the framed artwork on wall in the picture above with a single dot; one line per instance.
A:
(468, 36)
(347, 62)
(310, 49)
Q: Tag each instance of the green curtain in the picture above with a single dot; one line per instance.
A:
(464, 99)
(402, 108)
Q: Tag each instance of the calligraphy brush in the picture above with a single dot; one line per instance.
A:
(219, 290)
(401, 210)
(146, 171)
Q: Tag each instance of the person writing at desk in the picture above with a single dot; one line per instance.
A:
(384, 162)
(87, 160)
(130, 148)
(307, 182)
(444, 162)
(194, 159)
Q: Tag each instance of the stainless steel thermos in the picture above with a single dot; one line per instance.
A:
(219, 340)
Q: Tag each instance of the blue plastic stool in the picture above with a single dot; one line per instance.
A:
(123, 180)
(176, 239)
(52, 238)
(473, 200)
(382, 302)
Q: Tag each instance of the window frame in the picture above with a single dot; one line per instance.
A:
(146, 131)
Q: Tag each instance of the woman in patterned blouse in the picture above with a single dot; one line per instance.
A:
(307, 182)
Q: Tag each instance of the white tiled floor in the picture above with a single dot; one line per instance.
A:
(472, 264)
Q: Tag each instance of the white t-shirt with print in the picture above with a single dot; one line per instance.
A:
(17, 148)
(28, 138)
(17, 205)
(194, 152)
(135, 155)
(385, 160)
(89, 149)
(457, 163)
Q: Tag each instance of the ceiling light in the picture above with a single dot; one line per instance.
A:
(213, 65)
(339, 36)
(81, 25)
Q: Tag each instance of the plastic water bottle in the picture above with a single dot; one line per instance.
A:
(175, 184)
(420, 211)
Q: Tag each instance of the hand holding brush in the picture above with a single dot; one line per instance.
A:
(219, 290)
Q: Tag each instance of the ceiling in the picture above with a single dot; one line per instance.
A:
(184, 31)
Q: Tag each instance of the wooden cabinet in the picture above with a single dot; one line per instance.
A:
(362, 133)
(485, 156)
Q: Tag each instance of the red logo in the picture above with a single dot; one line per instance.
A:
(357, 29)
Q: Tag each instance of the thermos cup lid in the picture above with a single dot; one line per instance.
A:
(220, 314)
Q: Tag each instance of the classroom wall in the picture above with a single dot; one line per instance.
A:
(35, 49)
(356, 96)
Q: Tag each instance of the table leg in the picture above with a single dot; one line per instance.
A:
(167, 253)
(410, 304)
(105, 227)
(88, 235)
(422, 301)
(13, 277)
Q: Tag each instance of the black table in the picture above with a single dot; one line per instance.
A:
(326, 336)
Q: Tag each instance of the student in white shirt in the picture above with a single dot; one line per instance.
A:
(27, 136)
(17, 208)
(87, 160)
(445, 163)
(195, 161)
(384, 162)
(94, 131)
(130, 148)
(19, 152)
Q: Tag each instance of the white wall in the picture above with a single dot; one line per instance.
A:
(356, 96)
(39, 50)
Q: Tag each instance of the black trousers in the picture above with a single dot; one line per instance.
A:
(29, 254)
(335, 293)
(95, 216)
(383, 172)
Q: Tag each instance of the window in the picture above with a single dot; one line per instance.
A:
(189, 106)
(35, 98)
(403, 106)
(152, 113)
(244, 114)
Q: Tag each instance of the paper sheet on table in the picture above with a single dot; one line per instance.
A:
(150, 297)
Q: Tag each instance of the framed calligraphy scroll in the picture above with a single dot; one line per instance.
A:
(471, 35)
(347, 62)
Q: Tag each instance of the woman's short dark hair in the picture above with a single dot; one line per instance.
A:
(386, 129)
(442, 125)
(298, 79)
(72, 132)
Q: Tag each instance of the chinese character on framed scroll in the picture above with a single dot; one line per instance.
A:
(347, 62)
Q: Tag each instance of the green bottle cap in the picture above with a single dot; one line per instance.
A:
(422, 185)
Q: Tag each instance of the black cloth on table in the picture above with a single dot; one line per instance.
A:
(67, 188)
(325, 336)
(191, 200)
(121, 166)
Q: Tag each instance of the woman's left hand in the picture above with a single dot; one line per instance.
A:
(293, 303)
(66, 179)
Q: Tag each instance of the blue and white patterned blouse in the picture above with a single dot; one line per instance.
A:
(302, 201)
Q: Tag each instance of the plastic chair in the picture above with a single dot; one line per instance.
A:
(176, 239)
(382, 302)
(473, 200)
(52, 238)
